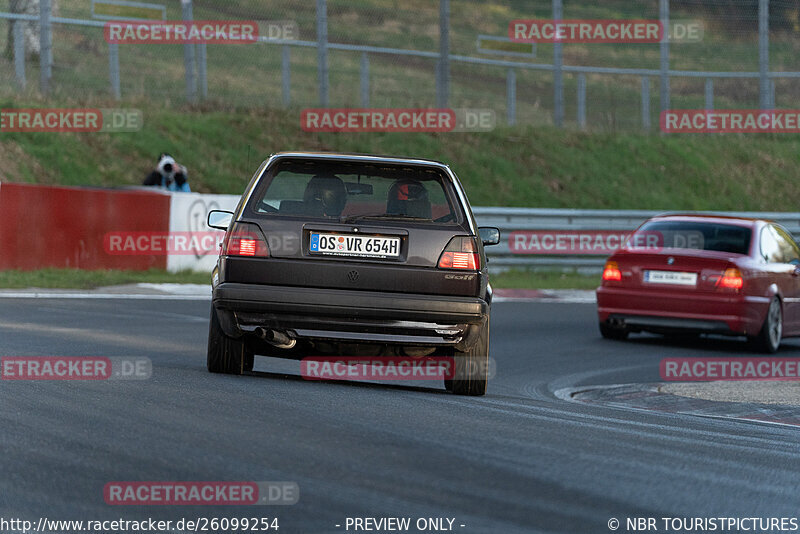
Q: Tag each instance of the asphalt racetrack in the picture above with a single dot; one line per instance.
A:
(517, 460)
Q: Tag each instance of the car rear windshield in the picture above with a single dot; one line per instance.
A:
(346, 191)
(695, 236)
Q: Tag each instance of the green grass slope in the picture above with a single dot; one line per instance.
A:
(522, 166)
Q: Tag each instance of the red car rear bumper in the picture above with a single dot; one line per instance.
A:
(657, 310)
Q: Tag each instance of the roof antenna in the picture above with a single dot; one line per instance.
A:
(248, 157)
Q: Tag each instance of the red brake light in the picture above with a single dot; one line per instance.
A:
(611, 272)
(731, 279)
(458, 260)
(247, 247)
(460, 253)
(245, 239)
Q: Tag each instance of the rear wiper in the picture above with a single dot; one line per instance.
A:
(389, 216)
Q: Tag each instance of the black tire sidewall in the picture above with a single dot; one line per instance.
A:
(466, 364)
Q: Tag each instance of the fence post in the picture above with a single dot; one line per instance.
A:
(322, 51)
(663, 9)
(763, 53)
(113, 69)
(188, 55)
(364, 71)
(771, 94)
(581, 101)
(45, 45)
(437, 72)
(443, 78)
(511, 97)
(201, 70)
(645, 103)
(19, 52)
(558, 75)
(709, 94)
(286, 73)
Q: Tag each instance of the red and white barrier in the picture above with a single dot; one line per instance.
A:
(64, 227)
(91, 228)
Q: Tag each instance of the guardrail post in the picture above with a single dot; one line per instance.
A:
(286, 74)
(558, 75)
(645, 103)
(709, 94)
(443, 71)
(18, 31)
(322, 51)
(763, 53)
(113, 69)
(581, 101)
(663, 9)
(511, 97)
(188, 55)
(364, 73)
(45, 45)
(201, 70)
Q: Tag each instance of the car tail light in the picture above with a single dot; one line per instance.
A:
(611, 272)
(245, 239)
(731, 279)
(461, 253)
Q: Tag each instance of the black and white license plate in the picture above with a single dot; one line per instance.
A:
(367, 246)
(670, 277)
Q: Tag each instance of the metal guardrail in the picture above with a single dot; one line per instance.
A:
(510, 219)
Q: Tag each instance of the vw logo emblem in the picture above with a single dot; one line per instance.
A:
(670, 260)
(352, 276)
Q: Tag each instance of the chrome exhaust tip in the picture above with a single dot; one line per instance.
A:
(275, 338)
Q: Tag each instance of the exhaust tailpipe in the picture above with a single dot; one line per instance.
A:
(275, 338)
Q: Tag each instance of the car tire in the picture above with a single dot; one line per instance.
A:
(226, 354)
(610, 332)
(769, 338)
(471, 368)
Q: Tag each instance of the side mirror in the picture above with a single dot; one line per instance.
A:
(219, 219)
(489, 235)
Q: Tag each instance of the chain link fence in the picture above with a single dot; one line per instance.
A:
(387, 53)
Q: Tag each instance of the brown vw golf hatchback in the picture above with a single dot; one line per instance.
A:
(348, 254)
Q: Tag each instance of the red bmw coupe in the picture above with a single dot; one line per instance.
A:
(704, 274)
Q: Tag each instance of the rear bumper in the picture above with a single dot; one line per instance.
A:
(638, 309)
(337, 314)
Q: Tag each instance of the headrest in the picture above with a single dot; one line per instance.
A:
(330, 191)
(408, 197)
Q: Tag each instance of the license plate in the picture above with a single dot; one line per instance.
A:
(367, 246)
(670, 277)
